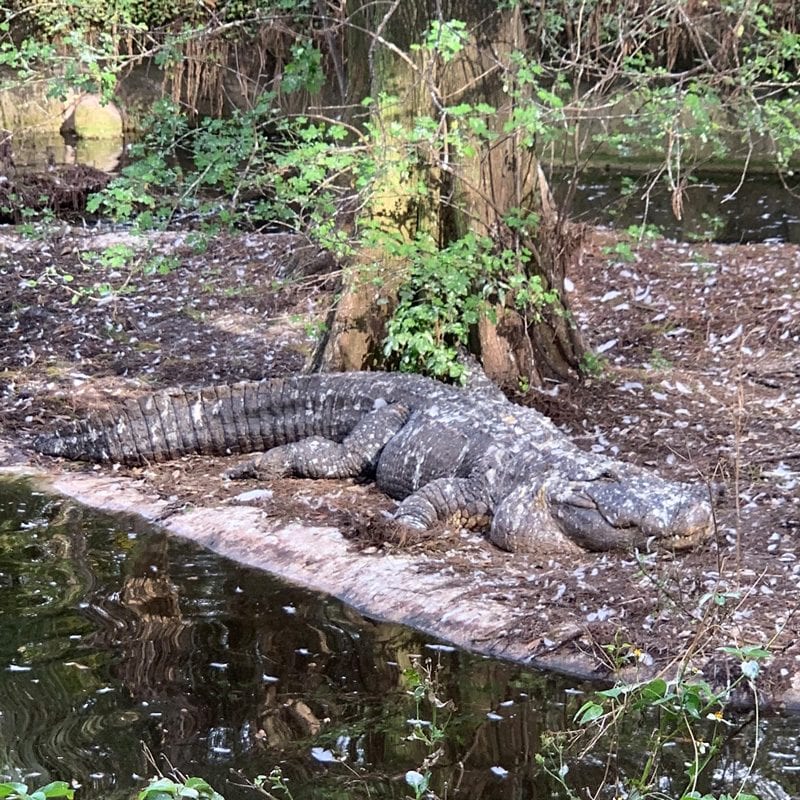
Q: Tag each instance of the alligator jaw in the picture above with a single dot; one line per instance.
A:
(613, 512)
(632, 509)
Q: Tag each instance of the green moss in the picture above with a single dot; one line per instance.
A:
(93, 120)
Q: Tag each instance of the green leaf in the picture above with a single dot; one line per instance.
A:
(655, 690)
(459, 110)
(159, 789)
(553, 100)
(615, 691)
(12, 789)
(589, 712)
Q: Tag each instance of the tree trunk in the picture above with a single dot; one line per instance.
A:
(468, 193)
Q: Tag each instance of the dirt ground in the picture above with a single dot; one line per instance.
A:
(697, 374)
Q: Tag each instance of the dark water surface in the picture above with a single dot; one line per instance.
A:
(718, 206)
(113, 635)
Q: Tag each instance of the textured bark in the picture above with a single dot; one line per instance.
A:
(473, 195)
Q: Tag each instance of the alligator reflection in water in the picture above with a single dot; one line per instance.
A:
(111, 634)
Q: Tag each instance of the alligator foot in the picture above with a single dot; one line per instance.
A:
(318, 457)
(456, 501)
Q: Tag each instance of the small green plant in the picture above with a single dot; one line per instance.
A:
(658, 360)
(51, 791)
(686, 709)
(160, 265)
(114, 257)
(421, 678)
(445, 38)
(55, 277)
(164, 788)
(644, 231)
(38, 224)
(274, 782)
(621, 653)
(724, 796)
(304, 71)
(592, 365)
(446, 292)
(428, 726)
(712, 225)
(622, 251)
(552, 760)
(418, 782)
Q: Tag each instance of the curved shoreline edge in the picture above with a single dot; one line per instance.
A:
(390, 587)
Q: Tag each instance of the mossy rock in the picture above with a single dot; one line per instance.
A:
(25, 110)
(93, 119)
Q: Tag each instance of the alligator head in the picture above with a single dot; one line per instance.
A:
(614, 509)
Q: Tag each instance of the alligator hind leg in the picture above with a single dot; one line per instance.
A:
(317, 457)
(458, 500)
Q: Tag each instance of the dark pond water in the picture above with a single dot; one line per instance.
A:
(113, 636)
(718, 207)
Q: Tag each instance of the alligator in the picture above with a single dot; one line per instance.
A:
(463, 455)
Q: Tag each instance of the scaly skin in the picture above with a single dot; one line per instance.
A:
(447, 453)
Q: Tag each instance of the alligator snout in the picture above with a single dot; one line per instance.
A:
(635, 508)
(631, 508)
(692, 523)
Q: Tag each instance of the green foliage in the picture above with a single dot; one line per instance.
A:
(251, 168)
(418, 782)
(423, 686)
(114, 257)
(98, 17)
(592, 365)
(658, 360)
(20, 791)
(274, 782)
(446, 291)
(422, 680)
(687, 709)
(724, 796)
(167, 788)
(259, 167)
(622, 250)
(304, 71)
(160, 265)
(447, 39)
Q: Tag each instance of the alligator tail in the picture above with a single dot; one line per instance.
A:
(218, 420)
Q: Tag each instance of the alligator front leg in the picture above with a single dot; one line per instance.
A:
(460, 501)
(317, 457)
